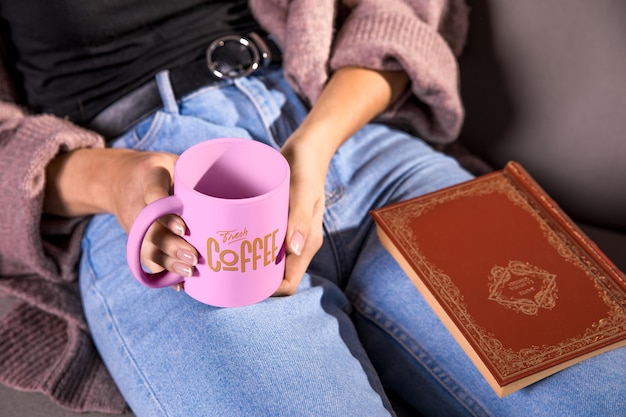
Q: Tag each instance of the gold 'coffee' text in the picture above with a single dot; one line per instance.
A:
(251, 253)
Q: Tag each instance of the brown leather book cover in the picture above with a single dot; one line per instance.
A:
(521, 288)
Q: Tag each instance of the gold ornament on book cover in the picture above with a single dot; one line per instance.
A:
(522, 287)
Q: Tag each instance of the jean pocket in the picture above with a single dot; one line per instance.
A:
(146, 132)
(143, 134)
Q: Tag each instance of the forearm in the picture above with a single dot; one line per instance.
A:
(74, 182)
(351, 99)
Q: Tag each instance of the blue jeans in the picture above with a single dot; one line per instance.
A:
(355, 324)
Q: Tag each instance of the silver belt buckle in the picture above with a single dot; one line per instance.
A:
(234, 56)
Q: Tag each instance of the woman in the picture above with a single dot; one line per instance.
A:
(345, 322)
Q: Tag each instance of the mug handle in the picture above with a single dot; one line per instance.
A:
(150, 214)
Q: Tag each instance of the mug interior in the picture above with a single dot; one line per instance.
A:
(232, 168)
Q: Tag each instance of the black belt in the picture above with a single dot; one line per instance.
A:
(229, 56)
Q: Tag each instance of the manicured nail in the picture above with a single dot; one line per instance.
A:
(187, 256)
(281, 253)
(176, 227)
(183, 270)
(296, 244)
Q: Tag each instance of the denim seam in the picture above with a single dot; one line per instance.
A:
(246, 88)
(336, 186)
(150, 136)
(411, 346)
(288, 120)
(115, 329)
(335, 251)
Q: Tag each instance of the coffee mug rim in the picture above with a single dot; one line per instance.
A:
(243, 200)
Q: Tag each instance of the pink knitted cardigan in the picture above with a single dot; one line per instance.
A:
(44, 341)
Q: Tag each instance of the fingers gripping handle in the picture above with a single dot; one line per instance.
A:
(150, 214)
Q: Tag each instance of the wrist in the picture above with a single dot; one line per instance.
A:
(79, 182)
(312, 146)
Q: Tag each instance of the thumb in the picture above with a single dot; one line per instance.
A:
(304, 227)
(304, 238)
(299, 223)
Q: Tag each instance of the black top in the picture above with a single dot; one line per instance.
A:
(77, 56)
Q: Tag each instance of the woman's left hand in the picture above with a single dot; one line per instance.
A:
(352, 97)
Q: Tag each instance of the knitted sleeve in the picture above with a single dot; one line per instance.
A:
(45, 344)
(29, 241)
(421, 37)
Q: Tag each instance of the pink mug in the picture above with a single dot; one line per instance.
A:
(233, 195)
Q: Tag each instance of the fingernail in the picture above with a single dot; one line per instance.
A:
(187, 256)
(296, 244)
(176, 227)
(183, 270)
(281, 253)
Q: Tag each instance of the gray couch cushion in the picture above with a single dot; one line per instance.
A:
(544, 84)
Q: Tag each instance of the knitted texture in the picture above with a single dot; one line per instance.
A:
(66, 368)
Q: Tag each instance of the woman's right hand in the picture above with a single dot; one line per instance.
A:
(122, 182)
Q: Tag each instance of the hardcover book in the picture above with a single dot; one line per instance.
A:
(521, 288)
